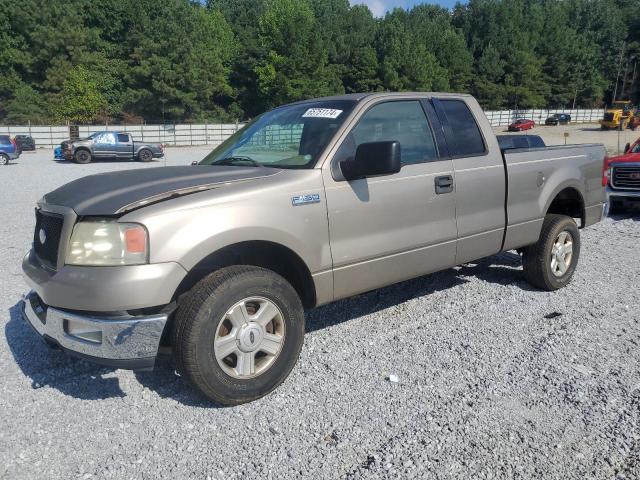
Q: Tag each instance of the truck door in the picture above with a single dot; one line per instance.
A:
(480, 181)
(105, 145)
(390, 228)
(124, 145)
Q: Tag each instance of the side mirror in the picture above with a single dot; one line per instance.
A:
(627, 147)
(195, 162)
(373, 159)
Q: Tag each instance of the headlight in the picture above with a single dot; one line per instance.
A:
(108, 243)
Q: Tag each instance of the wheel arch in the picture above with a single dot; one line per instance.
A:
(567, 200)
(260, 253)
(139, 148)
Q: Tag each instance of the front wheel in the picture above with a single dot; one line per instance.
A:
(4, 159)
(238, 334)
(550, 262)
(82, 156)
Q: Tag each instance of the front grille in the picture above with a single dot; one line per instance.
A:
(626, 177)
(48, 228)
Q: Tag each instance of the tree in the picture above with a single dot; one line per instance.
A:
(296, 63)
(405, 63)
(81, 99)
(232, 59)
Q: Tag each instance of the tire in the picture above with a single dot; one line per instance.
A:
(4, 159)
(537, 259)
(145, 155)
(82, 156)
(205, 311)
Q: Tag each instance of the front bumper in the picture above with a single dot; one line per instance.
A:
(121, 341)
(623, 195)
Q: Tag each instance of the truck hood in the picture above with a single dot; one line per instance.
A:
(114, 193)
(625, 158)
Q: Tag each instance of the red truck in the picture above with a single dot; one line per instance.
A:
(622, 177)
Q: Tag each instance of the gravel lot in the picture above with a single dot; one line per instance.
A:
(495, 379)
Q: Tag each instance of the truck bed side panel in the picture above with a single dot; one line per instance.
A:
(536, 176)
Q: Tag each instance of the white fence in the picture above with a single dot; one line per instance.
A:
(505, 117)
(179, 135)
(215, 133)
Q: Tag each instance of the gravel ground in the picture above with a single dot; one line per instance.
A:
(494, 379)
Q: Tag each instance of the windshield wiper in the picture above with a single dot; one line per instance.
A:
(237, 160)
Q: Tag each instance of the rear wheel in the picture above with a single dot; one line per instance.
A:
(82, 156)
(238, 334)
(550, 262)
(4, 159)
(145, 155)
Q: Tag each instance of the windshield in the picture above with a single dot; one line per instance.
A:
(292, 136)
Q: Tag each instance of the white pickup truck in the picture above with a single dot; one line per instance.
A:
(308, 203)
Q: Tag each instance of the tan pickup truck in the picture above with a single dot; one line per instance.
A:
(308, 203)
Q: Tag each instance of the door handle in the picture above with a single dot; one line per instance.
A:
(444, 184)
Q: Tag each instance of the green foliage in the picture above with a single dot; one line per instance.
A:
(187, 60)
(296, 64)
(82, 97)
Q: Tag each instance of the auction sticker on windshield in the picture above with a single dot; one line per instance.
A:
(322, 113)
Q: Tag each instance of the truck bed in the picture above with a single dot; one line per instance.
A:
(536, 175)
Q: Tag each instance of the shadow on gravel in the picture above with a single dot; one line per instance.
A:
(630, 213)
(48, 367)
(78, 378)
(502, 269)
(53, 368)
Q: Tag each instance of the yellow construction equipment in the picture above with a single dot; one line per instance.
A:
(619, 115)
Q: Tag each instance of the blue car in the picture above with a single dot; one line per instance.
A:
(8, 149)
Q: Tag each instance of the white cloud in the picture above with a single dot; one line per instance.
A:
(380, 7)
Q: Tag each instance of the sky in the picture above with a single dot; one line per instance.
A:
(379, 7)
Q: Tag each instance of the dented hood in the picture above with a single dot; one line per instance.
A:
(114, 193)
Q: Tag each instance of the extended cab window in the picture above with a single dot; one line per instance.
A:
(123, 138)
(467, 139)
(401, 121)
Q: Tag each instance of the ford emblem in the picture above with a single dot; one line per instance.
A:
(42, 236)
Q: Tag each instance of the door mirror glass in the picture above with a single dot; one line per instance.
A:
(373, 159)
(627, 148)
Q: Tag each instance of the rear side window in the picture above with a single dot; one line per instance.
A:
(5, 140)
(402, 121)
(536, 142)
(123, 138)
(467, 138)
